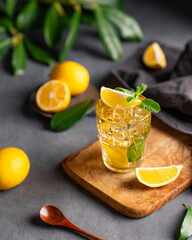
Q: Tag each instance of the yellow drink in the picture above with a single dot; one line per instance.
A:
(122, 133)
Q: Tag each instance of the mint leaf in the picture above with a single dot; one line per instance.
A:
(135, 150)
(129, 92)
(186, 226)
(141, 88)
(150, 105)
(147, 103)
(129, 99)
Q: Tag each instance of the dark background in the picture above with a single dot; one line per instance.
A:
(167, 21)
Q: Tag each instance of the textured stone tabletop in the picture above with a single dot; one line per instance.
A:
(47, 183)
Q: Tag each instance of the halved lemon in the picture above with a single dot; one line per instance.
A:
(154, 57)
(53, 96)
(112, 98)
(157, 177)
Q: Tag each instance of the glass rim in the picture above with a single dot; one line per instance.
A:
(124, 120)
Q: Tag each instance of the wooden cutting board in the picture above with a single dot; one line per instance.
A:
(124, 192)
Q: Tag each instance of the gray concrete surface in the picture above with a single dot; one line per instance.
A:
(46, 182)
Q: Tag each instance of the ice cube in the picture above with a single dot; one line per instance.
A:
(129, 114)
(104, 130)
(140, 114)
(120, 132)
(132, 127)
(140, 129)
(118, 113)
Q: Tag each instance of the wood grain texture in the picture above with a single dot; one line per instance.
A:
(165, 146)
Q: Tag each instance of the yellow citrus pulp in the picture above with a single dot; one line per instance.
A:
(113, 97)
(157, 177)
(117, 157)
(154, 57)
(14, 167)
(53, 96)
(73, 74)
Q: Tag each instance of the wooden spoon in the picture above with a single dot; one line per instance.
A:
(52, 215)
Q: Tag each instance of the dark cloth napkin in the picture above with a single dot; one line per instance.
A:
(171, 87)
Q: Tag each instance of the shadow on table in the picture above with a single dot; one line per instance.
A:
(36, 220)
(30, 113)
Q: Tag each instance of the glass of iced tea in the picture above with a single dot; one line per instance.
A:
(122, 130)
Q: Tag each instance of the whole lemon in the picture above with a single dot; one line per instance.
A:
(73, 74)
(14, 167)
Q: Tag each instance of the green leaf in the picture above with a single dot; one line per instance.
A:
(108, 35)
(7, 23)
(127, 25)
(186, 226)
(27, 16)
(74, 26)
(135, 150)
(128, 92)
(2, 8)
(19, 59)
(2, 30)
(141, 88)
(39, 54)
(66, 119)
(10, 7)
(114, 3)
(150, 105)
(119, 4)
(129, 99)
(5, 44)
(87, 17)
(51, 26)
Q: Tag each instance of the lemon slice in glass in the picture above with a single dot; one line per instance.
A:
(117, 158)
(112, 98)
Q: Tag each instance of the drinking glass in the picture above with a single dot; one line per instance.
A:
(122, 133)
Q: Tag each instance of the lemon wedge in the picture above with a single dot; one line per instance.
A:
(112, 98)
(117, 158)
(154, 57)
(157, 177)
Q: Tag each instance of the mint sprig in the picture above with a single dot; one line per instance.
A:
(128, 92)
(140, 89)
(148, 104)
(135, 150)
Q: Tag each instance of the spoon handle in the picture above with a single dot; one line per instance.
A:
(73, 227)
